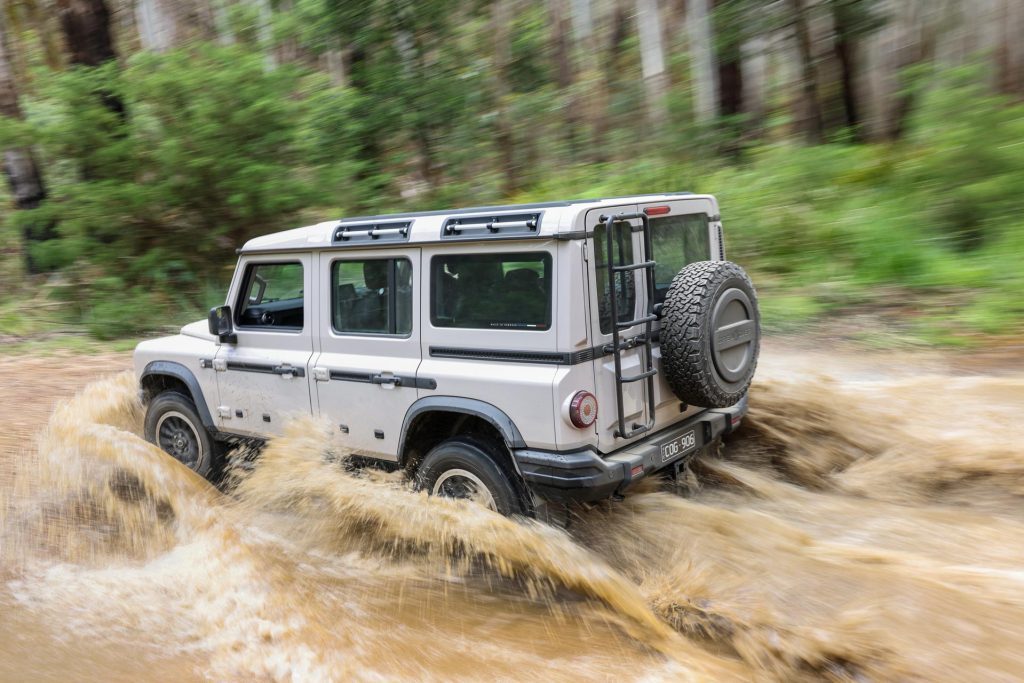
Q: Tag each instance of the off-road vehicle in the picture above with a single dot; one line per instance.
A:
(511, 354)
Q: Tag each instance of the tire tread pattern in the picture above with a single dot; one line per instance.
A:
(686, 331)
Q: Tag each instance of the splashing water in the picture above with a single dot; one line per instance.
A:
(853, 530)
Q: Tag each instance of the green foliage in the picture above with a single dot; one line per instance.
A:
(209, 154)
(216, 147)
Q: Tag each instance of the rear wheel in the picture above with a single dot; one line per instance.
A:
(173, 424)
(465, 468)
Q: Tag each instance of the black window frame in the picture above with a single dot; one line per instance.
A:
(392, 296)
(545, 257)
(250, 269)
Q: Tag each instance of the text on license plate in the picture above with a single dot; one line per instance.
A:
(678, 446)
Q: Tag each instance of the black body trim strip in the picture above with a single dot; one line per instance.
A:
(520, 356)
(374, 378)
(266, 368)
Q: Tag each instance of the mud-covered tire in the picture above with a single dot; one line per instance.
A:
(466, 462)
(172, 421)
(710, 334)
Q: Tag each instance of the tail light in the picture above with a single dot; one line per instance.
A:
(583, 409)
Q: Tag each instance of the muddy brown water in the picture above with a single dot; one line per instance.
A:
(868, 526)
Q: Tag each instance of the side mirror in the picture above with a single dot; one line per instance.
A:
(220, 324)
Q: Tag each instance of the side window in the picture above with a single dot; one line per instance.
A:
(271, 297)
(491, 291)
(624, 283)
(372, 296)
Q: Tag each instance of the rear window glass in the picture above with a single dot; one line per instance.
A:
(491, 291)
(677, 241)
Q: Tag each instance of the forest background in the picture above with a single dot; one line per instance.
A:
(868, 155)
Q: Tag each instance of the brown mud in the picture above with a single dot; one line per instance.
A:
(867, 526)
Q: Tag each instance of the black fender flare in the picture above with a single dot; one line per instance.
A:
(179, 371)
(467, 406)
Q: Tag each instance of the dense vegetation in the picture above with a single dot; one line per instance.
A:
(158, 163)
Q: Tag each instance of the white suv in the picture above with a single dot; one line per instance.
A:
(512, 354)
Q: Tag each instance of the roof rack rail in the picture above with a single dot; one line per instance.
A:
(361, 233)
(508, 225)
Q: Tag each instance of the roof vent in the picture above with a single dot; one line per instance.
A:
(476, 227)
(369, 233)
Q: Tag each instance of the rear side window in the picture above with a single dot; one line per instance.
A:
(372, 296)
(623, 284)
(491, 291)
(272, 297)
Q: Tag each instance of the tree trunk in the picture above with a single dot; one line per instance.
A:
(501, 17)
(336, 64)
(652, 63)
(20, 168)
(614, 33)
(812, 123)
(730, 71)
(1010, 53)
(222, 22)
(86, 27)
(846, 56)
(157, 23)
(565, 71)
(702, 60)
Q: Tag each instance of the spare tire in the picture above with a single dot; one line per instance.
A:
(710, 334)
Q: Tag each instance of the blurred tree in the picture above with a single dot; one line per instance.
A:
(20, 167)
(702, 58)
(810, 106)
(164, 24)
(501, 20)
(852, 20)
(86, 27)
(652, 63)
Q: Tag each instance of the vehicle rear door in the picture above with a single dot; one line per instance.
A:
(262, 378)
(365, 376)
(682, 232)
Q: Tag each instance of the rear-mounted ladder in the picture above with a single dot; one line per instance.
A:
(619, 345)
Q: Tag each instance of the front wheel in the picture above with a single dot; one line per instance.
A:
(466, 468)
(173, 424)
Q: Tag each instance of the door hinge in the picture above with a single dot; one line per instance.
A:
(322, 374)
(224, 412)
(220, 364)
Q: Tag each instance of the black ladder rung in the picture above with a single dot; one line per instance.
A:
(639, 321)
(634, 266)
(637, 378)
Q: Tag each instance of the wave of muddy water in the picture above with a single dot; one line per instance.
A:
(865, 527)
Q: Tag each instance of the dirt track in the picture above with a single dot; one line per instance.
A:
(33, 385)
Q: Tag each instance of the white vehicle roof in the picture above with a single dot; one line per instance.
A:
(517, 221)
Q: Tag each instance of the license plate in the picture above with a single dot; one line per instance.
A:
(678, 446)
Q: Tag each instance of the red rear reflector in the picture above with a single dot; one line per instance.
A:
(656, 210)
(583, 409)
(636, 471)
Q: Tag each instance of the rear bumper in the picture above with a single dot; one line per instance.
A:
(585, 475)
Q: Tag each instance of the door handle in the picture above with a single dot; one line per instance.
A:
(386, 380)
(288, 371)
